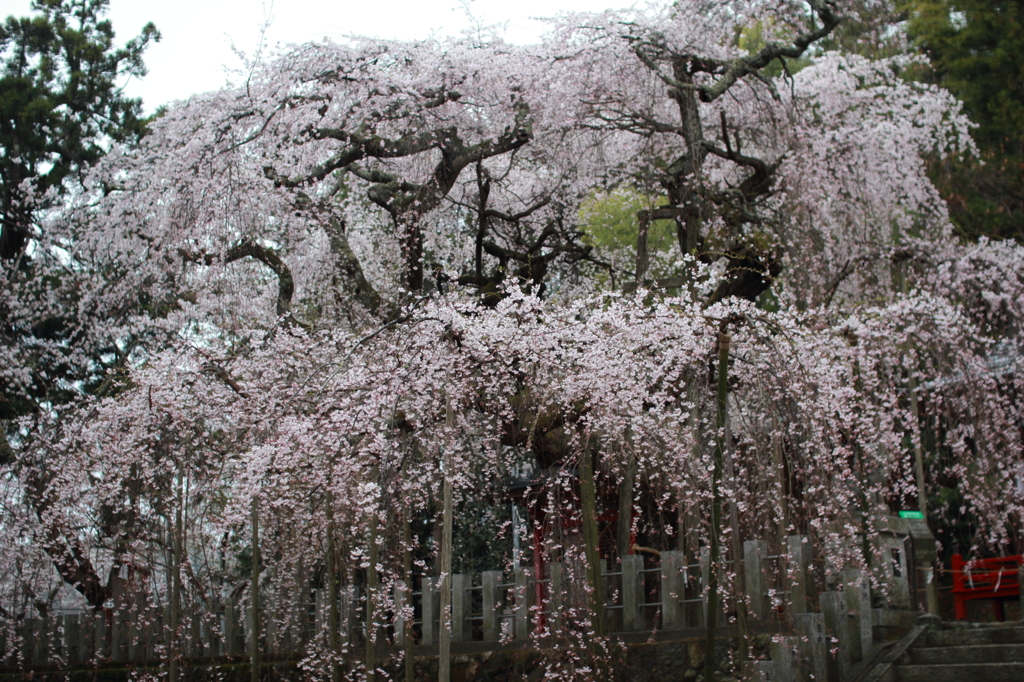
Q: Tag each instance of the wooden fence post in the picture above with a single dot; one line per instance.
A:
(799, 560)
(811, 626)
(460, 607)
(834, 610)
(430, 607)
(522, 603)
(858, 604)
(632, 593)
(782, 652)
(557, 596)
(754, 552)
(489, 581)
(254, 597)
(672, 589)
(705, 575)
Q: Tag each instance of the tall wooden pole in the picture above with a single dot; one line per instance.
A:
(444, 669)
(591, 541)
(372, 587)
(779, 472)
(254, 596)
(175, 605)
(625, 525)
(716, 505)
(410, 671)
(739, 570)
(931, 591)
(333, 615)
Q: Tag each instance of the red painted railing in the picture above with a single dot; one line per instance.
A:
(995, 579)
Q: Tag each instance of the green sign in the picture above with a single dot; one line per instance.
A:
(911, 515)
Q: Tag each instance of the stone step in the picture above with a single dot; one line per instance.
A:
(962, 672)
(978, 653)
(970, 635)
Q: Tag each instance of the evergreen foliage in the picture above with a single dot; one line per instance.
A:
(976, 48)
(61, 103)
(61, 109)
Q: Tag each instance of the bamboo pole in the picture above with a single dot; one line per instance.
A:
(254, 596)
(173, 672)
(410, 671)
(333, 616)
(739, 569)
(591, 539)
(779, 473)
(444, 669)
(372, 587)
(931, 592)
(625, 529)
(716, 505)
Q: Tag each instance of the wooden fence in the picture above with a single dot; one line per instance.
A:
(492, 606)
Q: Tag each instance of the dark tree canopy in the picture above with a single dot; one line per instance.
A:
(61, 108)
(976, 48)
(60, 103)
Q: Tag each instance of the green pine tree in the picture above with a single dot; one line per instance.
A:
(60, 104)
(977, 52)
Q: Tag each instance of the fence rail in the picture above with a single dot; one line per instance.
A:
(488, 607)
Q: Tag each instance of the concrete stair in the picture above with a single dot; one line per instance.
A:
(965, 652)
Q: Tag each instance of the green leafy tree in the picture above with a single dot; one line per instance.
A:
(976, 48)
(61, 107)
(60, 104)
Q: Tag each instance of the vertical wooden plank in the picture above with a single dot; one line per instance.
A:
(782, 651)
(460, 607)
(72, 638)
(40, 641)
(591, 542)
(757, 588)
(557, 572)
(445, 627)
(625, 521)
(711, 615)
(672, 589)
(346, 607)
(705, 576)
(833, 608)
(102, 635)
(811, 627)
(254, 597)
(1020, 582)
(632, 593)
(407, 625)
(489, 581)
(522, 604)
(430, 607)
(118, 636)
(858, 604)
(400, 596)
(28, 640)
(797, 568)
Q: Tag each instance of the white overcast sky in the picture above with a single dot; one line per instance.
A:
(195, 53)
